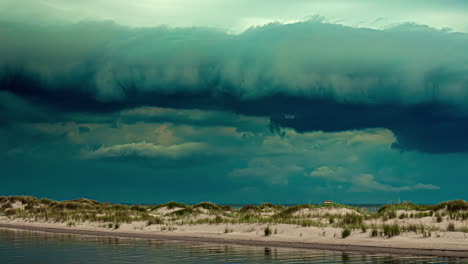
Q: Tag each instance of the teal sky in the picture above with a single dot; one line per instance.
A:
(233, 101)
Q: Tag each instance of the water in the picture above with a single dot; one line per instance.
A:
(41, 248)
(365, 207)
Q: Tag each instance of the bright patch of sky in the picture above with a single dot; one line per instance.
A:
(237, 15)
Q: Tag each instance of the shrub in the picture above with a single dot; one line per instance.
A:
(345, 233)
(218, 219)
(364, 228)
(183, 212)
(464, 216)
(411, 228)
(267, 231)
(85, 201)
(11, 212)
(451, 227)
(439, 219)
(249, 208)
(116, 226)
(138, 208)
(374, 233)
(227, 208)
(331, 220)
(391, 230)
(208, 206)
(154, 221)
(456, 205)
(291, 210)
(352, 219)
(46, 201)
(72, 205)
(6, 206)
(391, 214)
(269, 206)
(170, 205)
(119, 207)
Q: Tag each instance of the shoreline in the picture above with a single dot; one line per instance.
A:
(265, 242)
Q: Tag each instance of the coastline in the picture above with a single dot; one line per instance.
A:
(376, 247)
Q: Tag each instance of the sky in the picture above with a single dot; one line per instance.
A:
(234, 101)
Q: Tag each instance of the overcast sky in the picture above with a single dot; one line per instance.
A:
(234, 101)
(237, 15)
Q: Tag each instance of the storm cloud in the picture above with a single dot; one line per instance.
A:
(310, 76)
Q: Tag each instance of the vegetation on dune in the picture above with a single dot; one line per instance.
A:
(270, 206)
(170, 205)
(81, 201)
(289, 212)
(455, 210)
(249, 208)
(454, 206)
(450, 206)
(392, 223)
(227, 208)
(208, 206)
(79, 210)
(185, 212)
(345, 233)
(391, 230)
(138, 208)
(154, 220)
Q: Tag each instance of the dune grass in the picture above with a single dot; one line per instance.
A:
(451, 206)
(74, 212)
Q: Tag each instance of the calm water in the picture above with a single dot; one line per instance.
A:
(37, 248)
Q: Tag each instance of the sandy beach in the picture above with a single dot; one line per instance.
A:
(448, 247)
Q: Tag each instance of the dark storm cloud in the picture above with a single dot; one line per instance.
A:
(309, 76)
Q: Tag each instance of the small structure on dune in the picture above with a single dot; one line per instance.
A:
(327, 202)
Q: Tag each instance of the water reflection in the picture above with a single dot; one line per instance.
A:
(34, 247)
(345, 257)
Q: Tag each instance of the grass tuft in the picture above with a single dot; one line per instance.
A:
(345, 233)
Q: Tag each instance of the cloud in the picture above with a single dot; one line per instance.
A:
(265, 170)
(159, 155)
(364, 181)
(367, 182)
(193, 117)
(239, 15)
(14, 109)
(322, 172)
(410, 79)
(421, 186)
(334, 174)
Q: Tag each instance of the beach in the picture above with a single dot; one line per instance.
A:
(446, 247)
(411, 229)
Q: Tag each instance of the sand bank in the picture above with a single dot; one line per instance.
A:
(397, 245)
